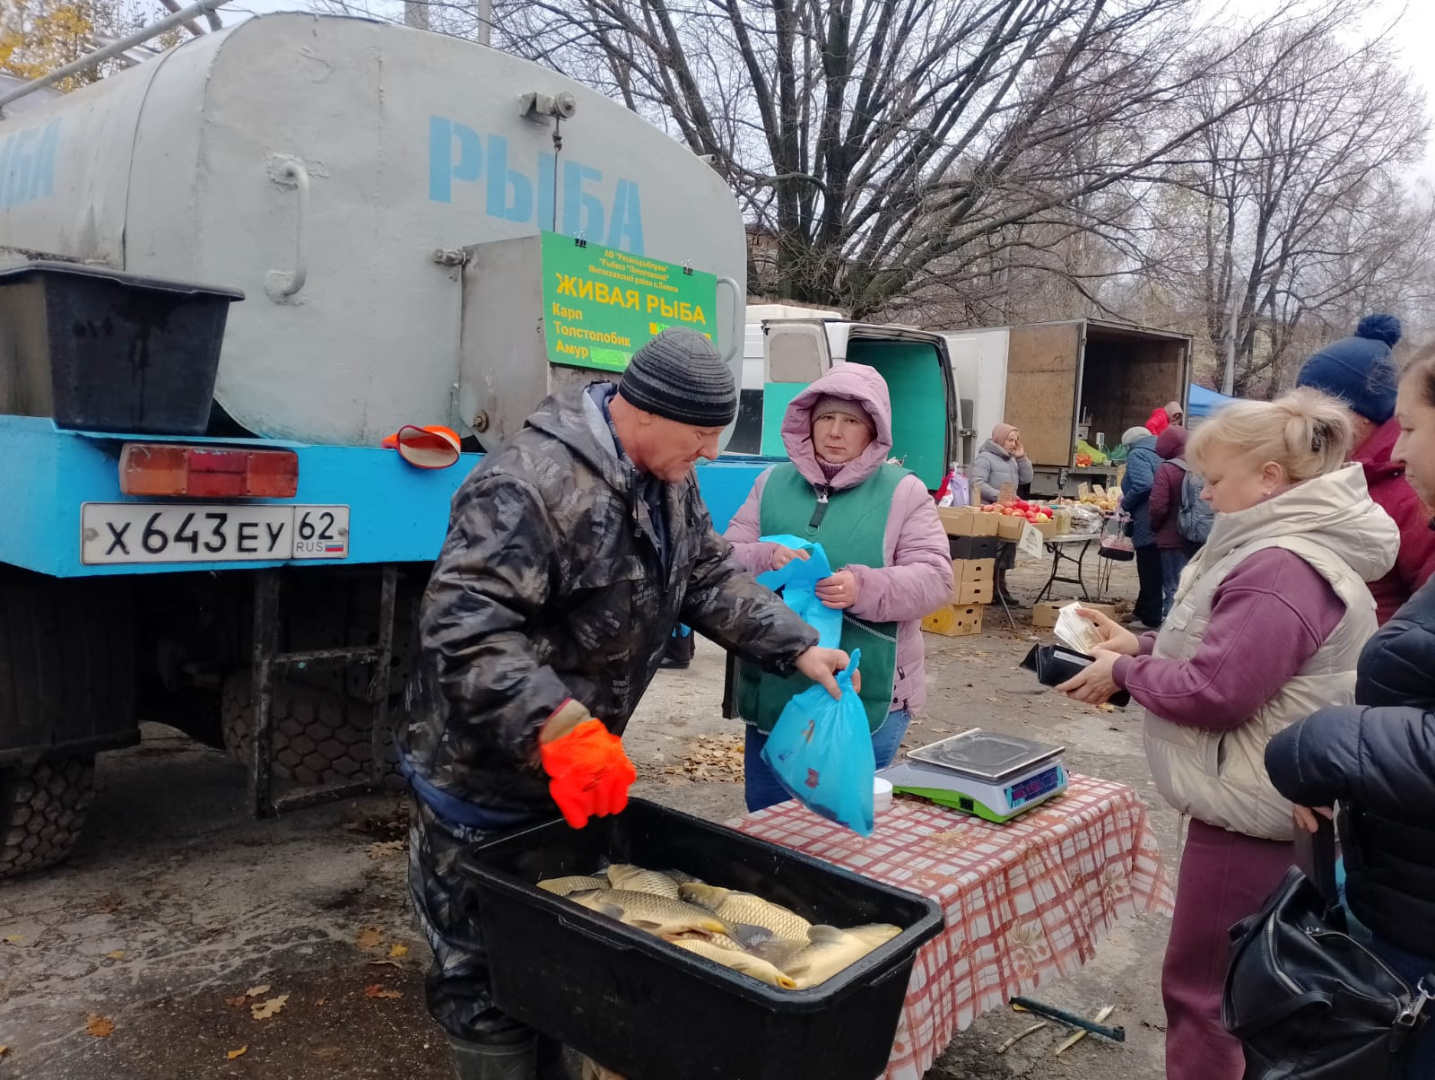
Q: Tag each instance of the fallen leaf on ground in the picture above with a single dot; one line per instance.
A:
(264, 1010)
(386, 849)
(255, 991)
(370, 938)
(377, 991)
(237, 1053)
(710, 757)
(3, 1048)
(386, 963)
(399, 950)
(320, 1001)
(14, 939)
(118, 954)
(101, 1027)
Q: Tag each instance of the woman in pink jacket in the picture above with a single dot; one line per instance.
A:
(880, 530)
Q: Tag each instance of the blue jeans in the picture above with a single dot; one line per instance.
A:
(1173, 561)
(761, 785)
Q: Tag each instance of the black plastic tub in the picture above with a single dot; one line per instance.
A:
(102, 350)
(651, 1011)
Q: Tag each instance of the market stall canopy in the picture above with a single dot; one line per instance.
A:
(1203, 402)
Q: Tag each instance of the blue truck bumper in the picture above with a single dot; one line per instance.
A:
(396, 513)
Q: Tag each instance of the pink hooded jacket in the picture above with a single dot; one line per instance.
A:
(918, 576)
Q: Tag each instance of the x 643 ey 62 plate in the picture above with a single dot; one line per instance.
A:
(211, 532)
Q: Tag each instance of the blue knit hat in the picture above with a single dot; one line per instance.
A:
(1358, 369)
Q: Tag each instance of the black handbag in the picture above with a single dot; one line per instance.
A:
(1307, 1000)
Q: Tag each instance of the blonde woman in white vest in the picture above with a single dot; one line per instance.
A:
(1266, 628)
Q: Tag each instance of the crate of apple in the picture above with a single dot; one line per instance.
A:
(1033, 512)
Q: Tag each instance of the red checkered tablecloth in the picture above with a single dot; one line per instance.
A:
(1025, 902)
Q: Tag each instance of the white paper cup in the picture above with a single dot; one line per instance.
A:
(881, 795)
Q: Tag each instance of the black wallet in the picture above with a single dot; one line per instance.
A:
(1054, 664)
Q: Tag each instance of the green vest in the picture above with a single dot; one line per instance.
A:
(851, 526)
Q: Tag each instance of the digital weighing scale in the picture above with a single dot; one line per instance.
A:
(995, 777)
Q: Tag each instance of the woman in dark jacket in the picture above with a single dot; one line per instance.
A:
(1164, 506)
(1376, 758)
(1142, 461)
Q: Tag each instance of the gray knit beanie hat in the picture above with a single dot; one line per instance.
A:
(680, 376)
(831, 403)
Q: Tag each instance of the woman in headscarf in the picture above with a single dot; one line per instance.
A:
(879, 527)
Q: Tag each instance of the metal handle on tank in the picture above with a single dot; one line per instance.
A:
(739, 318)
(283, 284)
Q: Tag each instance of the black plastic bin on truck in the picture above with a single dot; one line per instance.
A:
(102, 350)
(650, 1011)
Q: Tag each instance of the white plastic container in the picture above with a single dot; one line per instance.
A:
(881, 795)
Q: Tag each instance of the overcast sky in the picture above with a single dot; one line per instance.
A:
(1415, 35)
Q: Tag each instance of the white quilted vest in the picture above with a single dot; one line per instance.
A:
(1331, 523)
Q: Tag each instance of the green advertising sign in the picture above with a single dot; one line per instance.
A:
(601, 305)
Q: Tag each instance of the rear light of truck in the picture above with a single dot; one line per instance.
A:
(207, 472)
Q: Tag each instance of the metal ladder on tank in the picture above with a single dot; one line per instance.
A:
(269, 664)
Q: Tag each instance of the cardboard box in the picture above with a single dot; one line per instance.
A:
(1043, 616)
(973, 581)
(975, 547)
(965, 521)
(951, 620)
(973, 571)
(973, 592)
(1009, 528)
(1048, 529)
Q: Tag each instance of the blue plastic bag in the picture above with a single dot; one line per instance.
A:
(798, 582)
(821, 750)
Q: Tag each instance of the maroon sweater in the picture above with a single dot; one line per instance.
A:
(1165, 502)
(1393, 494)
(1268, 618)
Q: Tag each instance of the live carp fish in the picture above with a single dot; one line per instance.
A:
(738, 960)
(831, 950)
(562, 886)
(658, 915)
(739, 930)
(745, 908)
(636, 879)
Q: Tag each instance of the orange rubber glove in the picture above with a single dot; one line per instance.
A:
(589, 775)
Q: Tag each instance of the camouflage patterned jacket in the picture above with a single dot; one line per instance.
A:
(550, 586)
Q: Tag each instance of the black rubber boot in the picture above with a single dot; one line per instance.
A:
(558, 1062)
(679, 651)
(1003, 594)
(494, 1061)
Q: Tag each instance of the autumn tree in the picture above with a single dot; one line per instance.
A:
(871, 140)
(1292, 212)
(41, 36)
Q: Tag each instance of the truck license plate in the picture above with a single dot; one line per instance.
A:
(190, 532)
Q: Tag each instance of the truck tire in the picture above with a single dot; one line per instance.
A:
(320, 736)
(42, 811)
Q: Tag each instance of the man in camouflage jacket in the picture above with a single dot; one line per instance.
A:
(571, 554)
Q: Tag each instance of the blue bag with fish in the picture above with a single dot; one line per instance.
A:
(798, 582)
(821, 750)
